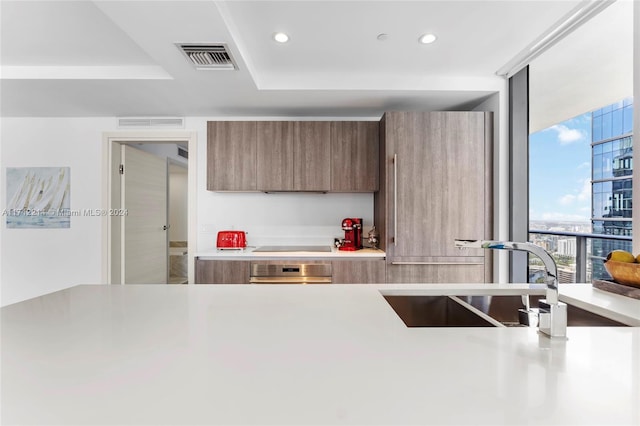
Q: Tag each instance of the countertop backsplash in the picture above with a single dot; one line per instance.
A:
(278, 235)
(279, 219)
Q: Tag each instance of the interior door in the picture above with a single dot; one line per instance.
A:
(144, 230)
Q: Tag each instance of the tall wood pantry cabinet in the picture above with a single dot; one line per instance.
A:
(435, 186)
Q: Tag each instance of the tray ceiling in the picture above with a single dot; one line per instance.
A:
(113, 58)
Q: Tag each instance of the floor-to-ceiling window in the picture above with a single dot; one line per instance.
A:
(612, 186)
(580, 188)
(581, 145)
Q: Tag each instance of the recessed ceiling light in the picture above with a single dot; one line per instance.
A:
(427, 39)
(281, 37)
(382, 36)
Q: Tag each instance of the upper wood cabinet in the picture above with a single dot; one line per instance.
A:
(354, 156)
(311, 155)
(231, 156)
(275, 155)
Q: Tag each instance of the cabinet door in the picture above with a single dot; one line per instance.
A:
(275, 155)
(440, 187)
(231, 156)
(222, 271)
(312, 155)
(420, 274)
(354, 156)
(358, 271)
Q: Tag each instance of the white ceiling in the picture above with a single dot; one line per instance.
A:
(119, 58)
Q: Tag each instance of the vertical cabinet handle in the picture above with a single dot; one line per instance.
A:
(395, 199)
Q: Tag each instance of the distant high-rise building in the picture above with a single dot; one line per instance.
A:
(611, 181)
(567, 247)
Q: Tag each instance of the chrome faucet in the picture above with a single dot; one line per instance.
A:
(552, 314)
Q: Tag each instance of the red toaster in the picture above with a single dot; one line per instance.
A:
(231, 240)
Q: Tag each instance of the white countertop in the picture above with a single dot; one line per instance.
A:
(294, 354)
(619, 308)
(249, 254)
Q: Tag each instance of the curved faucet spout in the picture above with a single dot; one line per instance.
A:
(552, 314)
(547, 260)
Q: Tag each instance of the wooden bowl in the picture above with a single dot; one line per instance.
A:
(624, 272)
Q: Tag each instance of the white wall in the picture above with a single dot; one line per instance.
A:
(40, 261)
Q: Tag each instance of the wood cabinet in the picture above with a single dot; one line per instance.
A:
(436, 272)
(312, 156)
(321, 156)
(294, 156)
(231, 156)
(344, 271)
(222, 271)
(436, 186)
(275, 155)
(354, 156)
(369, 271)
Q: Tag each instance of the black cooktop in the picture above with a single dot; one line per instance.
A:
(285, 249)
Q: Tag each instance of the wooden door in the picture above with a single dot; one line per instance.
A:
(144, 195)
(312, 155)
(275, 155)
(354, 156)
(231, 156)
(440, 182)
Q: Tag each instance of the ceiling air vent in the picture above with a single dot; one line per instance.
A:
(208, 56)
(146, 122)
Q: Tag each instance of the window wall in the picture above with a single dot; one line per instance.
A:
(586, 193)
(612, 185)
(613, 120)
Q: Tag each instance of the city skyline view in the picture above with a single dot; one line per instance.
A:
(560, 172)
(581, 184)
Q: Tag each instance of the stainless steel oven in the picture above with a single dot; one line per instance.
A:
(290, 273)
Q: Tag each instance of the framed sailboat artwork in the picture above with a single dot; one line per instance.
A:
(38, 197)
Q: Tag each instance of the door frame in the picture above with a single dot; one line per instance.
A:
(109, 139)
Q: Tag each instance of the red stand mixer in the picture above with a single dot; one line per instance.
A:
(352, 227)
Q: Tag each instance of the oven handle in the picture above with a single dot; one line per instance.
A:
(290, 280)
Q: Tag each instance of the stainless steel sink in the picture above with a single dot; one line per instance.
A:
(505, 310)
(438, 311)
(479, 311)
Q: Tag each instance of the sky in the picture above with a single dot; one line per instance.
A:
(560, 171)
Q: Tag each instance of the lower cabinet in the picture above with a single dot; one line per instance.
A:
(222, 271)
(435, 273)
(347, 271)
(358, 271)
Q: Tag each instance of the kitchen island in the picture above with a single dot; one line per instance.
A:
(292, 354)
